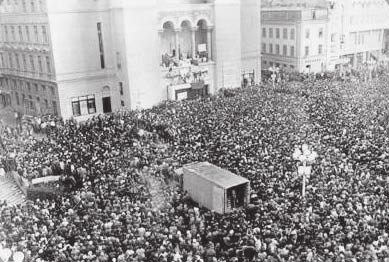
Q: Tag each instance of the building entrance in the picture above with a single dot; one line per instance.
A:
(107, 104)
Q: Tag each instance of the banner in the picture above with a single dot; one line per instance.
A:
(202, 48)
(45, 179)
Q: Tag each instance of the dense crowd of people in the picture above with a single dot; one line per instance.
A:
(111, 214)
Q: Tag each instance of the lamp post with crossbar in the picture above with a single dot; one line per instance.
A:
(306, 157)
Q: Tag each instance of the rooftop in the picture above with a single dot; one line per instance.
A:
(215, 174)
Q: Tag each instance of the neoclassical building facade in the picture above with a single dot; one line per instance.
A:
(109, 55)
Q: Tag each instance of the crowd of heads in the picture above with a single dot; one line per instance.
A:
(111, 213)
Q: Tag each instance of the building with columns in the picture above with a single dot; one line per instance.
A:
(97, 56)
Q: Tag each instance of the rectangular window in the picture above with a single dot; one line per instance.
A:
(307, 33)
(44, 35)
(28, 33)
(13, 33)
(24, 6)
(20, 34)
(101, 46)
(32, 6)
(263, 48)
(17, 98)
(40, 66)
(52, 91)
(292, 33)
(271, 32)
(11, 64)
(307, 51)
(76, 107)
(332, 38)
(285, 33)
(320, 49)
(271, 48)
(277, 33)
(36, 88)
(36, 34)
(121, 88)
(83, 105)
(91, 104)
(263, 32)
(292, 51)
(122, 102)
(119, 60)
(277, 49)
(44, 89)
(6, 33)
(29, 87)
(32, 64)
(17, 61)
(321, 33)
(48, 65)
(46, 104)
(2, 60)
(55, 111)
(285, 50)
(24, 62)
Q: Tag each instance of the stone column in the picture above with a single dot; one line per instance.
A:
(193, 31)
(160, 33)
(177, 42)
(209, 42)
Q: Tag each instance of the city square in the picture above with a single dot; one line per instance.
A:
(212, 161)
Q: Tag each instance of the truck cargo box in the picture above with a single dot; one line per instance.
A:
(215, 188)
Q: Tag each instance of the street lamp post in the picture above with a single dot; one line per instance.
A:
(305, 156)
(274, 74)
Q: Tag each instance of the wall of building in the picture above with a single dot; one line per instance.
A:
(227, 43)
(313, 39)
(142, 54)
(362, 24)
(270, 57)
(26, 60)
(386, 40)
(80, 68)
(286, 35)
(251, 37)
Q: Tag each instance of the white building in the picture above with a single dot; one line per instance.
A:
(93, 56)
(353, 33)
(356, 32)
(294, 38)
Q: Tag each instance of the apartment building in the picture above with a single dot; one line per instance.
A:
(26, 59)
(294, 38)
